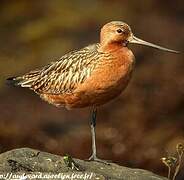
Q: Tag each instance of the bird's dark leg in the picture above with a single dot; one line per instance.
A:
(93, 125)
(93, 157)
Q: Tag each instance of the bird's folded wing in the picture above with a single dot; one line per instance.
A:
(64, 75)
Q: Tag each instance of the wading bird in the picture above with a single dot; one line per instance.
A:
(89, 77)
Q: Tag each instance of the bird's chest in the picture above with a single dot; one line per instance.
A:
(109, 78)
(114, 74)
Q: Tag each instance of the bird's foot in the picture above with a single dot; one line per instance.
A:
(95, 158)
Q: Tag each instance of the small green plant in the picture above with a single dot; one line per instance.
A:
(68, 160)
(173, 163)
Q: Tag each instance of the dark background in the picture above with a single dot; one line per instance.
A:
(136, 129)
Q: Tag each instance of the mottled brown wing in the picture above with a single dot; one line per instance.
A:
(64, 75)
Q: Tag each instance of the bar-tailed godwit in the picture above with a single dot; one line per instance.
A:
(88, 77)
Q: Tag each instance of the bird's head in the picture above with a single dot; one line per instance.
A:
(118, 32)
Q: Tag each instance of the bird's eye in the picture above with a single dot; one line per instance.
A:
(119, 30)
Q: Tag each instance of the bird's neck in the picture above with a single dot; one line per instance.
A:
(111, 46)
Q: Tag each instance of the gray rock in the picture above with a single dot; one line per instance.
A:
(30, 163)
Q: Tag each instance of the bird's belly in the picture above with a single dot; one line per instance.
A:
(90, 94)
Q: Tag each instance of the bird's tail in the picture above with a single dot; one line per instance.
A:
(26, 80)
(12, 81)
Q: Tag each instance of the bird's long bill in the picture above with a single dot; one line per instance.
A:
(136, 40)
